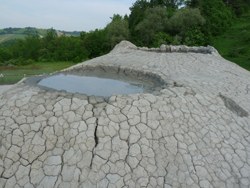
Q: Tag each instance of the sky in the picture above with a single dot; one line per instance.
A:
(68, 15)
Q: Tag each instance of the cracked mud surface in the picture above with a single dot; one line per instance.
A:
(193, 133)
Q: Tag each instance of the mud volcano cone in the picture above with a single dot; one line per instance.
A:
(191, 131)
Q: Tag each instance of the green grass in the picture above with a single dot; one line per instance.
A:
(16, 73)
(234, 44)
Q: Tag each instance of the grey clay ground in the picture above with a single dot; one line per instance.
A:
(193, 133)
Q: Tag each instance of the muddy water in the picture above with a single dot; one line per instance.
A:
(89, 85)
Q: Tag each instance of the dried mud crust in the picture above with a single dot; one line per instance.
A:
(193, 133)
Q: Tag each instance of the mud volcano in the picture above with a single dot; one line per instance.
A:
(190, 127)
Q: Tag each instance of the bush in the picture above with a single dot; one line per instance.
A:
(117, 30)
(184, 20)
(195, 37)
(177, 40)
(162, 38)
(4, 54)
(154, 21)
(218, 16)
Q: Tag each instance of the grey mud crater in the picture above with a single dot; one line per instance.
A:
(193, 131)
(100, 81)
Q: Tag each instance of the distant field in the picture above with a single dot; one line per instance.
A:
(234, 44)
(9, 34)
(8, 37)
(11, 75)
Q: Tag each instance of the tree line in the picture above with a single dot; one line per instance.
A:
(150, 23)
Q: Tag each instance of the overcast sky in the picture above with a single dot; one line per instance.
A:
(69, 15)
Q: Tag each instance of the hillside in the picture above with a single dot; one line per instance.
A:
(9, 34)
(234, 44)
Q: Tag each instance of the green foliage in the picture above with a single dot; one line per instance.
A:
(162, 38)
(184, 27)
(185, 20)
(155, 21)
(194, 37)
(95, 42)
(150, 19)
(234, 44)
(31, 47)
(177, 40)
(151, 23)
(49, 48)
(117, 30)
(8, 35)
(218, 16)
(4, 55)
(136, 16)
(18, 62)
(171, 4)
(69, 49)
(237, 51)
(50, 36)
(30, 31)
(9, 39)
(239, 7)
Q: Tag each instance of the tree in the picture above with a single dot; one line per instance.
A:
(30, 31)
(117, 30)
(137, 14)
(49, 45)
(32, 46)
(26, 49)
(51, 35)
(192, 3)
(70, 49)
(184, 20)
(154, 21)
(218, 16)
(186, 27)
(195, 37)
(5, 55)
(162, 38)
(170, 4)
(238, 6)
(95, 42)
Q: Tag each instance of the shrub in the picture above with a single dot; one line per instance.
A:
(184, 20)
(154, 21)
(162, 38)
(195, 37)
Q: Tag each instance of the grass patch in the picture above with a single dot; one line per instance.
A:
(13, 74)
(234, 44)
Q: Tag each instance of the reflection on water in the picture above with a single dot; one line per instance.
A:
(91, 85)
